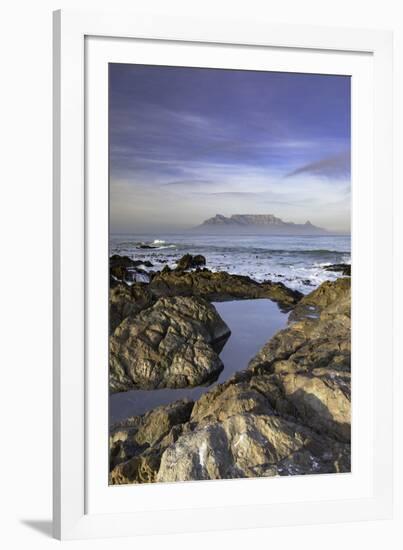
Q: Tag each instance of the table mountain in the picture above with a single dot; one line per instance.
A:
(257, 223)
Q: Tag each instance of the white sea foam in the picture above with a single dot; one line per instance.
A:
(298, 262)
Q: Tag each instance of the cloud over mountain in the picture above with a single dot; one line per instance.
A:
(187, 142)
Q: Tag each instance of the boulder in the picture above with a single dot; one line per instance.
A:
(249, 445)
(344, 269)
(173, 344)
(288, 413)
(127, 301)
(123, 261)
(136, 445)
(322, 400)
(118, 273)
(334, 293)
(309, 362)
(147, 263)
(189, 262)
(124, 269)
(118, 268)
(236, 396)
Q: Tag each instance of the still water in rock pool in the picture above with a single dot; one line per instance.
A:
(252, 324)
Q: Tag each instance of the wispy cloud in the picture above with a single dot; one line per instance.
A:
(186, 143)
(337, 166)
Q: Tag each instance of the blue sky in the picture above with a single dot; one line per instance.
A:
(188, 143)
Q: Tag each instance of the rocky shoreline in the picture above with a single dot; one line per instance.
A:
(287, 413)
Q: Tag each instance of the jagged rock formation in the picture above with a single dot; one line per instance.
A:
(247, 445)
(288, 413)
(124, 269)
(335, 294)
(309, 362)
(136, 445)
(221, 286)
(164, 334)
(212, 286)
(344, 269)
(125, 301)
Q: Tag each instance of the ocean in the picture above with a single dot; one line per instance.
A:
(296, 261)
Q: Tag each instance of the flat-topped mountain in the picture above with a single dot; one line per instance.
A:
(257, 223)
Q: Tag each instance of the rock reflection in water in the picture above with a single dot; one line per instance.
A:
(252, 324)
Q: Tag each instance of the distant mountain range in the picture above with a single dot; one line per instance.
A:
(266, 224)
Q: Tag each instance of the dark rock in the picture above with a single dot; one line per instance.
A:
(136, 445)
(189, 262)
(127, 300)
(221, 286)
(119, 272)
(124, 269)
(287, 414)
(123, 261)
(118, 268)
(344, 269)
(171, 345)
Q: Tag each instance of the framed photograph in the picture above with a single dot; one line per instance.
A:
(222, 215)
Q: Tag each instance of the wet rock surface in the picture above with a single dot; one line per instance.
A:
(189, 262)
(123, 269)
(118, 268)
(123, 261)
(288, 413)
(221, 286)
(344, 269)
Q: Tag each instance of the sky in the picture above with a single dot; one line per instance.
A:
(189, 143)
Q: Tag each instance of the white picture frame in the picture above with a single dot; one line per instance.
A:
(83, 507)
